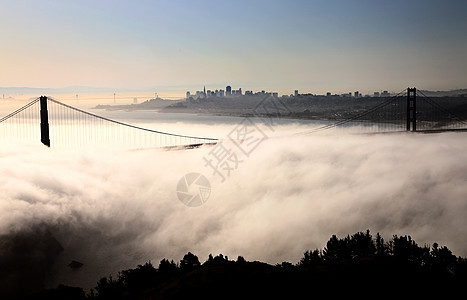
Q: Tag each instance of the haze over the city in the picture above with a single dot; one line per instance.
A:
(174, 46)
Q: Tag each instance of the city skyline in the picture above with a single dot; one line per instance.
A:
(172, 46)
(179, 92)
(218, 92)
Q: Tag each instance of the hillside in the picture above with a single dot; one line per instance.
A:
(357, 265)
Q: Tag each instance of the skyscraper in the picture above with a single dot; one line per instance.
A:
(228, 90)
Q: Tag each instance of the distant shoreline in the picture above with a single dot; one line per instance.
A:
(302, 107)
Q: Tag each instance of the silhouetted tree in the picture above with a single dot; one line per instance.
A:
(404, 248)
(310, 259)
(108, 288)
(240, 259)
(141, 277)
(380, 247)
(442, 259)
(167, 269)
(189, 262)
(362, 244)
(337, 249)
(219, 258)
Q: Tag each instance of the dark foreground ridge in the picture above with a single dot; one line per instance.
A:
(357, 265)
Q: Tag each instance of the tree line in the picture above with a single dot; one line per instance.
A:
(348, 261)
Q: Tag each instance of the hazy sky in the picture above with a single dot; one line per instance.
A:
(313, 45)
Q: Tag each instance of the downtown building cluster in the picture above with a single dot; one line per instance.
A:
(229, 92)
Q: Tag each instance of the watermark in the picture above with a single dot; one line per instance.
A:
(227, 155)
(193, 189)
(271, 109)
(222, 161)
(247, 136)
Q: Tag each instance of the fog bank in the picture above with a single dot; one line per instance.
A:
(112, 209)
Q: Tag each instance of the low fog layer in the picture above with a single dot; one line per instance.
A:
(112, 209)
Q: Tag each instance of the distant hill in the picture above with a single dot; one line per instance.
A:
(63, 90)
(151, 104)
(452, 93)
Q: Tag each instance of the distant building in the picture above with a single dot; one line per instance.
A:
(376, 94)
(328, 94)
(357, 94)
(296, 93)
(275, 94)
(385, 94)
(188, 94)
(237, 92)
(228, 90)
(200, 94)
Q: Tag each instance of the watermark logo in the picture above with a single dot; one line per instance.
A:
(271, 109)
(193, 189)
(225, 157)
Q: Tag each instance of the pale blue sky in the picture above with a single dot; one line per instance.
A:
(313, 46)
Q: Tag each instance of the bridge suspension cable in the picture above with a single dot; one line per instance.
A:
(71, 126)
(432, 116)
(19, 110)
(357, 118)
(22, 123)
(129, 125)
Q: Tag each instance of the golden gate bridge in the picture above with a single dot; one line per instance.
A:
(56, 124)
(410, 110)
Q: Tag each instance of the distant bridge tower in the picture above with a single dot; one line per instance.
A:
(411, 109)
(45, 137)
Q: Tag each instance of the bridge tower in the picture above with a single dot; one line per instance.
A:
(45, 137)
(411, 109)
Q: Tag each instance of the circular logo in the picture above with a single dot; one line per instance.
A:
(193, 189)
